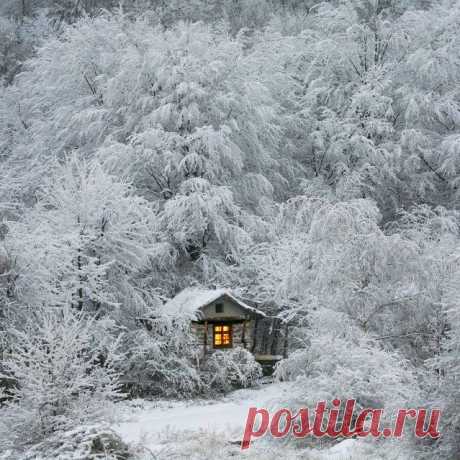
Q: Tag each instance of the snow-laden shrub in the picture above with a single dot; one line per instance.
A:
(229, 369)
(83, 442)
(338, 360)
(161, 360)
(62, 367)
(348, 364)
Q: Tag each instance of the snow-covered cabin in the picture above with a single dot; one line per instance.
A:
(220, 320)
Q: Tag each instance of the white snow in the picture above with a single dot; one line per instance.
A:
(165, 428)
(146, 422)
(190, 300)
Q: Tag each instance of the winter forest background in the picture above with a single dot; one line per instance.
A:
(304, 154)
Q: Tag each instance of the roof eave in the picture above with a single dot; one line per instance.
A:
(244, 306)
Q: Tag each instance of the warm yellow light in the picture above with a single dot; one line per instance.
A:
(222, 335)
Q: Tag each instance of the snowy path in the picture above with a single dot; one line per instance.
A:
(161, 424)
(145, 424)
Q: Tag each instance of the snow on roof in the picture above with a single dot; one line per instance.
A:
(190, 300)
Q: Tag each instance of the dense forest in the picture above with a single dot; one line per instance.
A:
(305, 154)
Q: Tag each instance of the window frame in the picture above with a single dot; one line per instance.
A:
(221, 334)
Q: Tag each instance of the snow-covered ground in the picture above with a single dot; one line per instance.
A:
(204, 429)
(145, 421)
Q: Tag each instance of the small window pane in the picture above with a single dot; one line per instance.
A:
(222, 335)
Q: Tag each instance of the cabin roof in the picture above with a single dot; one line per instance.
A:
(189, 301)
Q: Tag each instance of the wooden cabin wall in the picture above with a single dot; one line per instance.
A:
(199, 332)
(266, 336)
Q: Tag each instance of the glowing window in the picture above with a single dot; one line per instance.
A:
(222, 335)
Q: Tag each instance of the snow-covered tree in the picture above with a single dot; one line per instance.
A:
(83, 242)
(429, 100)
(168, 110)
(62, 367)
(302, 152)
